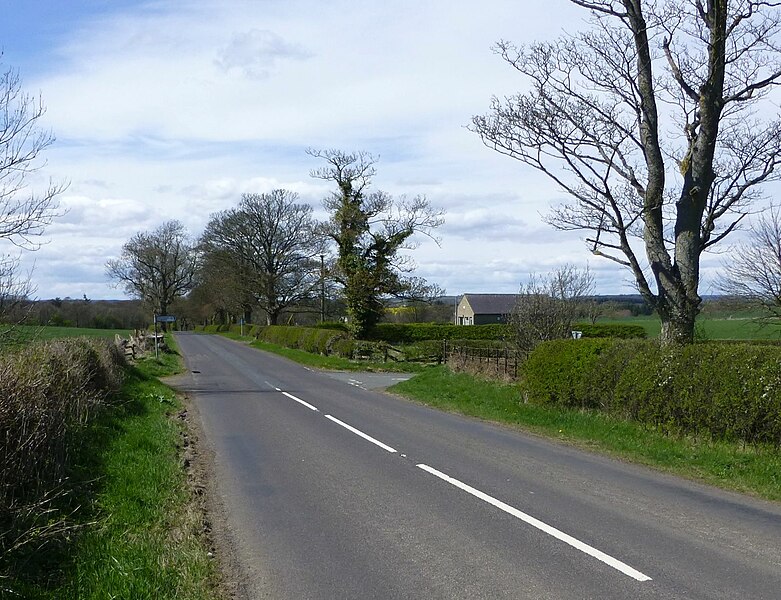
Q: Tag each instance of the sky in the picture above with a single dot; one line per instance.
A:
(173, 109)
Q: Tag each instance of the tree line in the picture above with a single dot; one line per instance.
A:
(269, 252)
(658, 121)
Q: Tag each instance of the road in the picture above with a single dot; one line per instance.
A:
(330, 490)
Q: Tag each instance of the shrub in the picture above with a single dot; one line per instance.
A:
(343, 347)
(309, 339)
(337, 325)
(561, 371)
(427, 351)
(408, 333)
(48, 392)
(610, 330)
(723, 391)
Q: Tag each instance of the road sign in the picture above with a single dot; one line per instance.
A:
(165, 318)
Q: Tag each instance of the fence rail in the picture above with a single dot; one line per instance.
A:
(502, 361)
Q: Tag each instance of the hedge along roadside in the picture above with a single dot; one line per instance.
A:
(409, 333)
(406, 333)
(48, 393)
(308, 339)
(725, 392)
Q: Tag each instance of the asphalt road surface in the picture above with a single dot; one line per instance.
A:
(331, 490)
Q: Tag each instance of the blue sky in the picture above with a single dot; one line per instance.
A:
(174, 109)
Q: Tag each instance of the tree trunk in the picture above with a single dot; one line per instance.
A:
(677, 332)
(678, 321)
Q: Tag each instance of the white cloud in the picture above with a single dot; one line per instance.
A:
(256, 53)
(172, 110)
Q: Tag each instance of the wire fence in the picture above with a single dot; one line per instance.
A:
(494, 361)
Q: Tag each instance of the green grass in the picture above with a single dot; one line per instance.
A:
(738, 329)
(750, 470)
(334, 363)
(16, 335)
(138, 532)
(711, 328)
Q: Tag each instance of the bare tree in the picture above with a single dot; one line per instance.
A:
(15, 289)
(370, 229)
(223, 288)
(158, 266)
(649, 122)
(753, 270)
(24, 213)
(270, 240)
(548, 305)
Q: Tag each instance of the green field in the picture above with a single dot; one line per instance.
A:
(13, 335)
(711, 328)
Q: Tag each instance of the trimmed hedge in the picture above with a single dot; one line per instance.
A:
(730, 392)
(408, 333)
(308, 339)
(338, 325)
(611, 330)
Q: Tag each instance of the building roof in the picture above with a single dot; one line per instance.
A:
(492, 304)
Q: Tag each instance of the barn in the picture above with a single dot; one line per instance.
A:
(483, 309)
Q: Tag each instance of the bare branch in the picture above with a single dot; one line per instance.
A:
(590, 120)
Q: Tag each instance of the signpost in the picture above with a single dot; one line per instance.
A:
(161, 319)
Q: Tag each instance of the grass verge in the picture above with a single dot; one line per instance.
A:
(137, 531)
(751, 470)
(746, 469)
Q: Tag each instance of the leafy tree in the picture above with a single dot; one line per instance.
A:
(370, 229)
(270, 243)
(221, 291)
(649, 121)
(158, 266)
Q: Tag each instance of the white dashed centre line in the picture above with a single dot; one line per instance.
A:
(552, 531)
(544, 527)
(309, 406)
(361, 434)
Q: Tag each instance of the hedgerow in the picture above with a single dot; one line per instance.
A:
(309, 339)
(611, 330)
(48, 392)
(407, 333)
(730, 392)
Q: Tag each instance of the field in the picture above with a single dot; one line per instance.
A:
(712, 327)
(17, 334)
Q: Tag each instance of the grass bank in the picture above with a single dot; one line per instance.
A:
(135, 532)
(753, 470)
(335, 363)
